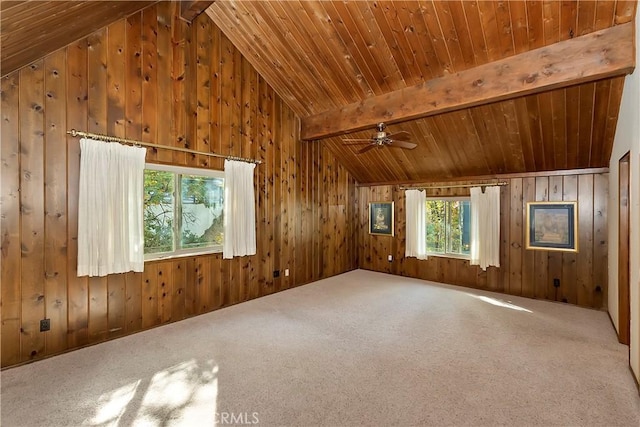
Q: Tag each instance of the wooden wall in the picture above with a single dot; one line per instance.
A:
(528, 273)
(155, 78)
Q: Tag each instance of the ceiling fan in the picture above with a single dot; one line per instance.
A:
(381, 138)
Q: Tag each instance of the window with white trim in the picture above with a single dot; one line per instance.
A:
(448, 227)
(183, 211)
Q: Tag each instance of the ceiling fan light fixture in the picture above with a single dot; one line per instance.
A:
(381, 137)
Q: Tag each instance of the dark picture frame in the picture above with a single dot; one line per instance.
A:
(381, 218)
(552, 226)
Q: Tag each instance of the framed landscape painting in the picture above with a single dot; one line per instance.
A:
(552, 226)
(381, 218)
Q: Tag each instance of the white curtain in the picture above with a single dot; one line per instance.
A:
(110, 208)
(239, 210)
(485, 227)
(416, 240)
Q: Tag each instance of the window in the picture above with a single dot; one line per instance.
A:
(449, 227)
(183, 211)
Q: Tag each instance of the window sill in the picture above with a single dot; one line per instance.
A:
(186, 253)
(454, 256)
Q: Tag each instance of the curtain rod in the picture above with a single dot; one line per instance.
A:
(107, 138)
(484, 184)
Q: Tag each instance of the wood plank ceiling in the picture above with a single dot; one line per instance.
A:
(321, 56)
(33, 29)
(324, 55)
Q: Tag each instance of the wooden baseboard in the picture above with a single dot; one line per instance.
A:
(635, 379)
(612, 323)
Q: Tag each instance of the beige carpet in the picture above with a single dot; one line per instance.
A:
(361, 348)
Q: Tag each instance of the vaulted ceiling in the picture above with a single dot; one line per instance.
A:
(345, 66)
(483, 87)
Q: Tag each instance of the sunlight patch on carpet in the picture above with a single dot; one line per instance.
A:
(499, 303)
(112, 405)
(184, 394)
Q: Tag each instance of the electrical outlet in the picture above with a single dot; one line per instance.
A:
(390, 258)
(286, 272)
(276, 273)
(556, 283)
(45, 325)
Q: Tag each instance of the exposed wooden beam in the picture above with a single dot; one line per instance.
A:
(494, 177)
(189, 9)
(602, 54)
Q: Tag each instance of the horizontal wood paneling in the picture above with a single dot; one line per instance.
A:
(582, 275)
(154, 77)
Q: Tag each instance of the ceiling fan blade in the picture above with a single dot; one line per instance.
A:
(367, 148)
(356, 140)
(400, 136)
(402, 144)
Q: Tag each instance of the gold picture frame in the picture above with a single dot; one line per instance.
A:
(381, 218)
(552, 226)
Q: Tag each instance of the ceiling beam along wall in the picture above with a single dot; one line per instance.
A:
(190, 9)
(602, 54)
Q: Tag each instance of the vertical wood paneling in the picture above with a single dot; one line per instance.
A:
(133, 306)
(10, 225)
(179, 279)
(116, 92)
(567, 289)
(277, 192)
(77, 116)
(515, 238)
(31, 110)
(204, 279)
(555, 258)
(116, 288)
(55, 155)
(139, 78)
(133, 83)
(149, 76)
(529, 273)
(203, 44)
(150, 295)
(98, 309)
(585, 279)
(190, 288)
(528, 257)
(543, 289)
(179, 29)
(165, 291)
(165, 133)
(215, 281)
(504, 283)
(97, 111)
(600, 240)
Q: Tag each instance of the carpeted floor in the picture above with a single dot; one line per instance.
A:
(361, 348)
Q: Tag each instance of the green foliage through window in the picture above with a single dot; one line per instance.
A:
(194, 220)
(448, 227)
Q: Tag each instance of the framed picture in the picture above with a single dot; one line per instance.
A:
(552, 226)
(381, 218)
